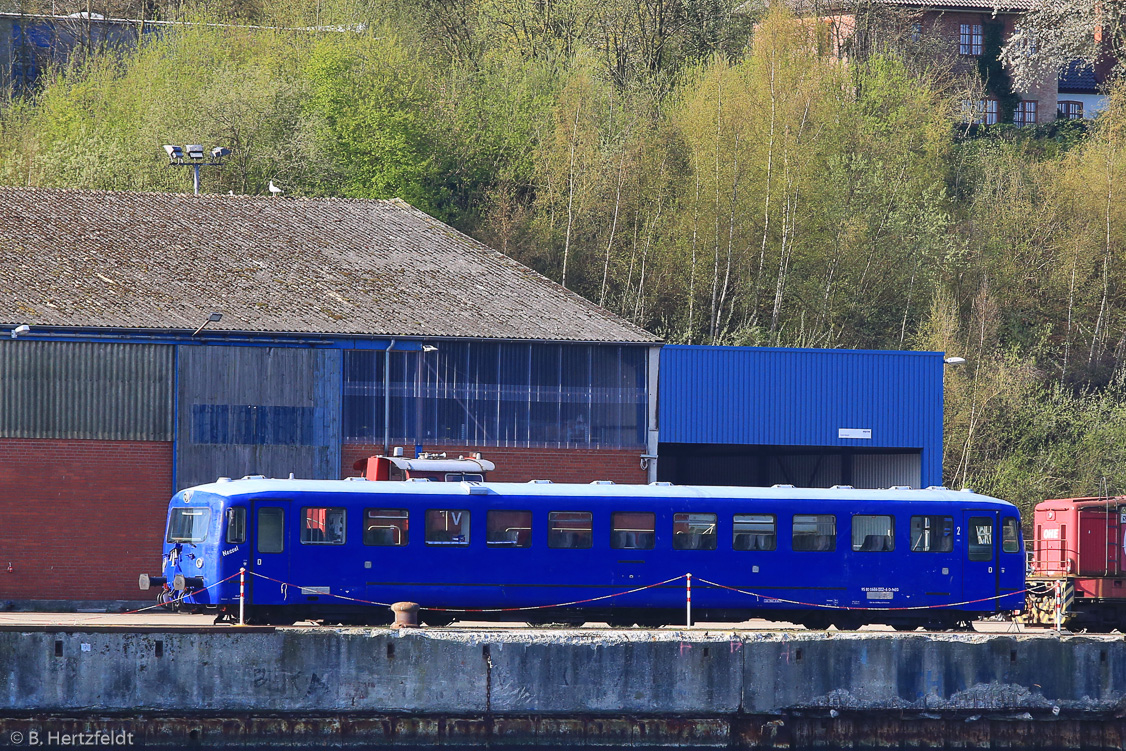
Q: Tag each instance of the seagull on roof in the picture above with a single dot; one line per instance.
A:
(274, 190)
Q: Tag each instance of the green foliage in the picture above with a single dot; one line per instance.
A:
(712, 184)
(993, 73)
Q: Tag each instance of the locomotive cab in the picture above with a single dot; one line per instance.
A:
(1078, 559)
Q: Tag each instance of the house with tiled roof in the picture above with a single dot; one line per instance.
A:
(969, 34)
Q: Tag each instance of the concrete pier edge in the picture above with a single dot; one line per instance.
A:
(547, 688)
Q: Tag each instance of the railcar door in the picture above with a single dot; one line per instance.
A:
(981, 569)
(271, 552)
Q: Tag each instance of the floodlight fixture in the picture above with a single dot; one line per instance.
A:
(954, 360)
(23, 328)
(429, 348)
(213, 318)
(195, 154)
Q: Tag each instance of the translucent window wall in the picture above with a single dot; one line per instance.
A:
(493, 394)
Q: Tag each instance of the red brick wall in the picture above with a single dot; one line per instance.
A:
(521, 465)
(79, 520)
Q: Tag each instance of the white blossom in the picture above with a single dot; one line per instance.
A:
(1058, 32)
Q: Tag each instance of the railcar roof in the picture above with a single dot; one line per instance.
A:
(1083, 503)
(247, 487)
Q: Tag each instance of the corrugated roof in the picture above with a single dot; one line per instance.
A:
(301, 265)
(805, 7)
(987, 6)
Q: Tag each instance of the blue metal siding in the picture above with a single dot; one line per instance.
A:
(802, 397)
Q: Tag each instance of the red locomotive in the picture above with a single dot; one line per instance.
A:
(1077, 567)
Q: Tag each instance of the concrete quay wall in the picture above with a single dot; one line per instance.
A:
(734, 689)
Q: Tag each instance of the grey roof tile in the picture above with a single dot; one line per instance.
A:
(295, 265)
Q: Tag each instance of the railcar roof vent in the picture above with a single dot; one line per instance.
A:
(841, 487)
(937, 487)
(781, 485)
(418, 479)
(602, 482)
(474, 488)
(539, 482)
(661, 484)
(900, 487)
(968, 490)
(223, 479)
(254, 477)
(356, 479)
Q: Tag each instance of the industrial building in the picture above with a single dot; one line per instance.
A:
(154, 341)
(151, 342)
(804, 417)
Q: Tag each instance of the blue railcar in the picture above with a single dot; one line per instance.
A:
(329, 549)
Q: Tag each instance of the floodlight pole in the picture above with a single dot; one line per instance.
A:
(176, 159)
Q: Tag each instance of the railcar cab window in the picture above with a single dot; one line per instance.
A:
(271, 530)
(815, 532)
(932, 534)
(569, 529)
(980, 547)
(236, 525)
(873, 534)
(188, 524)
(693, 531)
(322, 526)
(754, 532)
(632, 530)
(1010, 535)
(386, 527)
(447, 527)
(508, 529)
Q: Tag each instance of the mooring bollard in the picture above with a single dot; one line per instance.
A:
(406, 615)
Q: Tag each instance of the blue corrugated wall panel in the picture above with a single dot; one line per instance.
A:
(802, 397)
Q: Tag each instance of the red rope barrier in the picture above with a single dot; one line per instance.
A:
(858, 607)
(484, 610)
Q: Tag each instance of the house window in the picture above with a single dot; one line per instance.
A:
(1070, 110)
(970, 39)
(981, 112)
(1025, 114)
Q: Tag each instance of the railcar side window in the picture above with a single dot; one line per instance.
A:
(754, 532)
(236, 525)
(815, 532)
(188, 524)
(980, 545)
(693, 531)
(271, 530)
(932, 534)
(1010, 535)
(632, 530)
(464, 477)
(322, 526)
(508, 529)
(386, 527)
(569, 529)
(873, 534)
(447, 527)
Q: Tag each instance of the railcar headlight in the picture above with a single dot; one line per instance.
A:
(199, 563)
